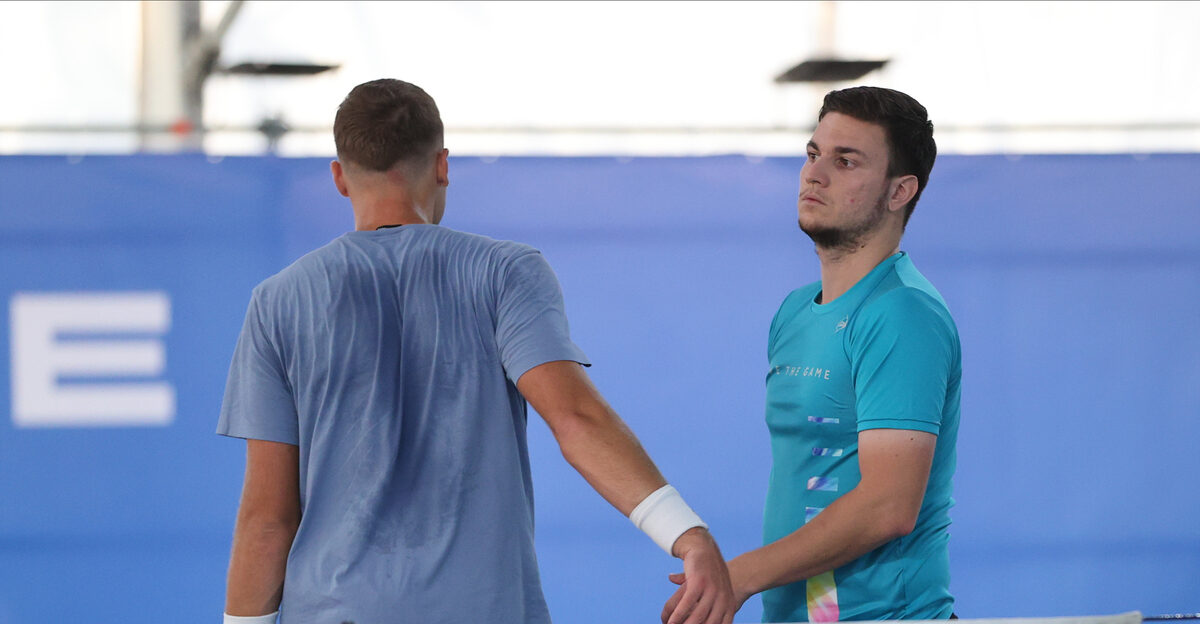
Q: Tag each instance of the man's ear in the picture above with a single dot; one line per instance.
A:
(339, 178)
(905, 188)
(443, 167)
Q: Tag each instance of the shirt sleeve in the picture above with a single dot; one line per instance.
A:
(258, 400)
(531, 324)
(903, 352)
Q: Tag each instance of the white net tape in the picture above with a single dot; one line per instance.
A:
(1132, 617)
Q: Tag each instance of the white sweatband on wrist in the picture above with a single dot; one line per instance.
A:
(251, 619)
(664, 517)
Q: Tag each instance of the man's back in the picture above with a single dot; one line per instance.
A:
(389, 357)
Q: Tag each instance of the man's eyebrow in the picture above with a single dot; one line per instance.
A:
(839, 150)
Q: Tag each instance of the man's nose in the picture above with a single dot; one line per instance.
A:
(813, 173)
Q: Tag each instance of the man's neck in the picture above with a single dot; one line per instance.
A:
(841, 269)
(375, 212)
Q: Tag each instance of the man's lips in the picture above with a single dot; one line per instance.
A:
(812, 199)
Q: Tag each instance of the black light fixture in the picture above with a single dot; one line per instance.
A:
(276, 69)
(829, 70)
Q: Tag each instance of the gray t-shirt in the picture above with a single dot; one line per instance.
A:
(390, 358)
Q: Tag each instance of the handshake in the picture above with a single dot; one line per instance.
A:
(705, 594)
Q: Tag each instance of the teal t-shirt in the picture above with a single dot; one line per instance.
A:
(885, 355)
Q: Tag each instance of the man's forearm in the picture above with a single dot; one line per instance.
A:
(592, 437)
(600, 446)
(257, 566)
(852, 526)
(885, 505)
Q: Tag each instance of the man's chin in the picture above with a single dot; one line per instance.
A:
(831, 239)
(808, 227)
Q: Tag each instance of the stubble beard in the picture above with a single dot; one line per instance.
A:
(846, 239)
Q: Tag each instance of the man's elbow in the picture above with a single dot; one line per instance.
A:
(571, 430)
(269, 525)
(274, 527)
(584, 432)
(266, 539)
(892, 516)
(898, 523)
(899, 528)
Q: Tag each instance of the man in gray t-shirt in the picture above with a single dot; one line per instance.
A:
(380, 382)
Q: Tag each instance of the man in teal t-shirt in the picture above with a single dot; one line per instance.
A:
(862, 389)
(883, 356)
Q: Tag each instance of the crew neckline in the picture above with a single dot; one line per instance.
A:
(863, 285)
(388, 231)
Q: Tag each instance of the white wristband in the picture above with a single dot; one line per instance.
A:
(251, 619)
(664, 517)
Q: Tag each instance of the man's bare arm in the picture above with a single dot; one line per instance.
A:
(593, 439)
(598, 444)
(895, 467)
(266, 525)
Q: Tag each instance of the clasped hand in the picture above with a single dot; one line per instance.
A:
(705, 594)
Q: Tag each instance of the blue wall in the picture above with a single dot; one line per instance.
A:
(1074, 280)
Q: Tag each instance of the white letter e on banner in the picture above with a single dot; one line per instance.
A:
(50, 340)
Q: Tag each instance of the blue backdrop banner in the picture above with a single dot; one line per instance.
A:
(1075, 282)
